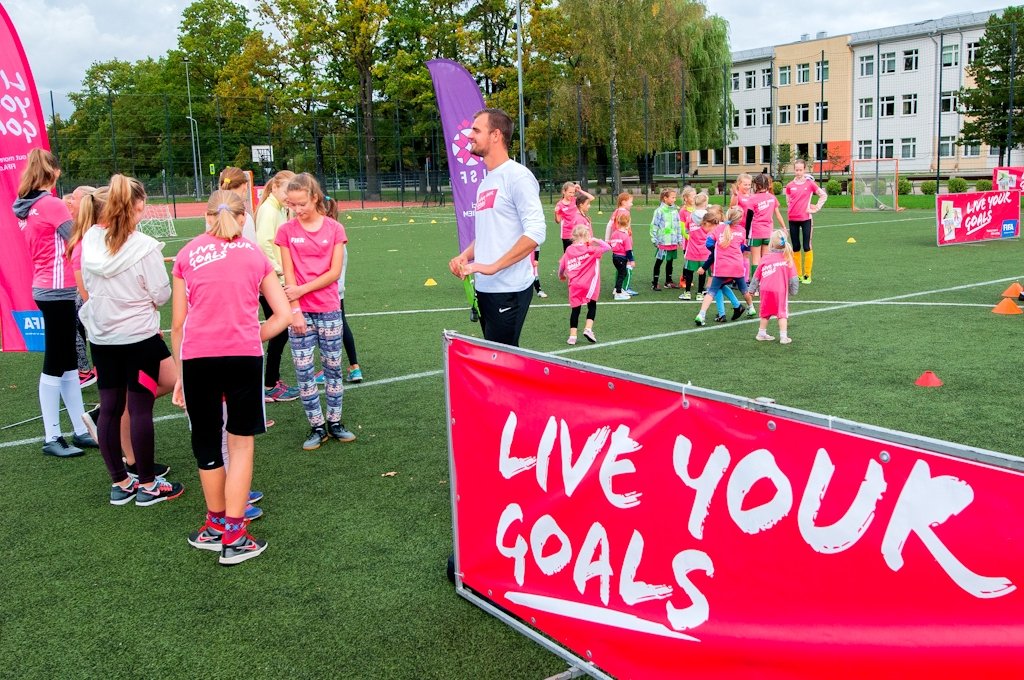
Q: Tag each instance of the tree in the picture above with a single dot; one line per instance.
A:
(997, 79)
(783, 155)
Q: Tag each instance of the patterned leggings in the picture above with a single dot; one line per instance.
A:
(323, 330)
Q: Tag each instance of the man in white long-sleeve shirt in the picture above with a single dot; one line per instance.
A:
(509, 225)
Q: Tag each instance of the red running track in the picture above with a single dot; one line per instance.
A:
(199, 209)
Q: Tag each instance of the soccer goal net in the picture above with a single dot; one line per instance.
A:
(157, 221)
(874, 184)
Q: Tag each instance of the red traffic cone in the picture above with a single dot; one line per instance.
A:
(1014, 290)
(1006, 306)
(928, 379)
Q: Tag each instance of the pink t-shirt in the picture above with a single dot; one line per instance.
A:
(686, 220)
(580, 264)
(565, 215)
(612, 221)
(696, 245)
(621, 242)
(222, 286)
(729, 262)
(798, 199)
(76, 258)
(774, 274)
(311, 253)
(578, 219)
(51, 267)
(763, 205)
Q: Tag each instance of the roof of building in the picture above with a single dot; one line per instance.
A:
(756, 54)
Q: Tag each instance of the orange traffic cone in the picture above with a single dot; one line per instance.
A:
(928, 379)
(1014, 290)
(1007, 306)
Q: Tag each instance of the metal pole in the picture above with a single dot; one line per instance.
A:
(1009, 109)
(771, 121)
(551, 158)
(682, 124)
(220, 134)
(938, 132)
(401, 174)
(646, 174)
(195, 161)
(113, 137)
(579, 134)
(725, 132)
(170, 157)
(519, 69)
(56, 139)
(821, 116)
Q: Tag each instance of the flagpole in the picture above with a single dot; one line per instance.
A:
(519, 69)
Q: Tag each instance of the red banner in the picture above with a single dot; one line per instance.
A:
(658, 532)
(980, 216)
(1007, 179)
(22, 128)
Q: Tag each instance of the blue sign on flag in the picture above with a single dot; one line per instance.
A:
(33, 331)
(1009, 228)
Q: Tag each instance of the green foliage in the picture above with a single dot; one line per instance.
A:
(833, 187)
(956, 185)
(928, 187)
(904, 187)
(983, 185)
(777, 188)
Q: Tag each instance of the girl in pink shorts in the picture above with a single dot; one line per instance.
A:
(777, 279)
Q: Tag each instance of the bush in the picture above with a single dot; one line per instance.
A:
(776, 188)
(983, 185)
(956, 185)
(904, 188)
(833, 187)
(928, 187)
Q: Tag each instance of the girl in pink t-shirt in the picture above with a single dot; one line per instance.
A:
(623, 204)
(312, 250)
(728, 242)
(759, 210)
(621, 242)
(777, 279)
(740, 188)
(799, 210)
(218, 343)
(566, 211)
(580, 264)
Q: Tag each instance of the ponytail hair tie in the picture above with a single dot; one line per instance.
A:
(222, 207)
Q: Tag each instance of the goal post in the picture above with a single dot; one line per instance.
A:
(157, 221)
(874, 184)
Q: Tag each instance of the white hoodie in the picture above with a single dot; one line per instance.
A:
(125, 289)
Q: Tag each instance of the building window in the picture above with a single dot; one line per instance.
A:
(864, 148)
(784, 112)
(820, 71)
(820, 112)
(766, 154)
(750, 155)
(885, 148)
(948, 102)
(735, 81)
(887, 106)
(821, 151)
(946, 146)
(971, 150)
(803, 113)
(703, 157)
(802, 151)
(910, 60)
(866, 107)
(950, 55)
(803, 73)
(749, 116)
(766, 77)
(766, 115)
(749, 80)
(972, 52)
(910, 105)
(867, 65)
(888, 64)
(718, 157)
(734, 155)
(784, 75)
(909, 147)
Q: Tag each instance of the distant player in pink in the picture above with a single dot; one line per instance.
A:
(621, 242)
(740, 188)
(566, 211)
(728, 243)
(799, 210)
(580, 265)
(623, 204)
(696, 253)
(777, 279)
(759, 209)
(582, 217)
(218, 343)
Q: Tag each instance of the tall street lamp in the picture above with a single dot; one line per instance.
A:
(195, 161)
(519, 69)
(196, 151)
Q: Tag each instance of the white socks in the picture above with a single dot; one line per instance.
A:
(71, 393)
(49, 405)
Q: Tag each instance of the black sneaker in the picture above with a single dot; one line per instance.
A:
(162, 490)
(720, 318)
(207, 538)
(60, 448)
(159, 470)
(317, 436)
(738, 312)
(338, 431)
(84, 441)
(245, 547)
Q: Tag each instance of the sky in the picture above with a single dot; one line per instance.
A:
(63, 37)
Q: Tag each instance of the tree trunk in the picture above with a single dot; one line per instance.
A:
(616, 173)
(366, 102)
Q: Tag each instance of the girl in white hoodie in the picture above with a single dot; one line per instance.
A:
(124, 274)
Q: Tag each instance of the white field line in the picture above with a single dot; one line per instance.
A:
(896, 299)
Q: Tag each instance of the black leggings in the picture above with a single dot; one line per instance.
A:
(574, 315)
(657, 271)
(60, 323)
(796, 230)
(140, 414)
(346, 338)
(620, 271)
(275, 348)
(688, 277)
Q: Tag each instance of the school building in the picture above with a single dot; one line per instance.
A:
(883, 93)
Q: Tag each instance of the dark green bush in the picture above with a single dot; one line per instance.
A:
(904, 187)
(833, 187)
(928, 187)
(956, 185)
(983, 185)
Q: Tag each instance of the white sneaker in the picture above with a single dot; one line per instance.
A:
(623, 296)
(685, 295)
(698, 296)
(541, 294)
